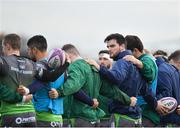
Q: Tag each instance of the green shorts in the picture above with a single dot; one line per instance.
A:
(47, 119)
(125, 121)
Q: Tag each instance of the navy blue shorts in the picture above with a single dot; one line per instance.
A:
(19, 120)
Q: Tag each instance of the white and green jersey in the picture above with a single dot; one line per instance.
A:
(21, 71)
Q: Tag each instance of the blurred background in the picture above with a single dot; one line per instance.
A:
(86, 23)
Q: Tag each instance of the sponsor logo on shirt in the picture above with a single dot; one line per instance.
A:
(20, 120)
(56, 124)
(21, 71)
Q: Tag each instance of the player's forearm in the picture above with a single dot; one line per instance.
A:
(48, 76)
(83, 97)
(9, 95)
(138, 63)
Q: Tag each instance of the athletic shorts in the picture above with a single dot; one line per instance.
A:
(19, 120)
(105, 122)
(49, 124)
(125, 121)
(147, 123)
(79, 122)
(47, 119)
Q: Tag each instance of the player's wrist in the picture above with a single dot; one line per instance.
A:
(23, 99)
(26, 91)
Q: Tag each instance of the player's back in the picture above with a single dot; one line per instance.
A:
(21, 71)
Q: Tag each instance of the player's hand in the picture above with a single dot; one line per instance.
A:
(178, 110)
(92, 62)
(22, 90)
(135, 61)
(53, 93)
(95, 103)
(28, 98)
(133, 101)
(161, 109)
(129, 58)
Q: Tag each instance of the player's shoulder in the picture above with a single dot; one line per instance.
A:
(42, 63)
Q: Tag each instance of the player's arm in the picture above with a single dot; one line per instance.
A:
(148, 96)
(135, 61)
(43, 76)
(113, 92)
(164, 88)
(73, 84)
(80, 96)
(117, 74)
(3, 69)
(9, 95)
(83, 97)
(146, 66)
(50, 76)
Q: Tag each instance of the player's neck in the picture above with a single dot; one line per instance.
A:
(41, 55)
(76, 57)
(17, 53)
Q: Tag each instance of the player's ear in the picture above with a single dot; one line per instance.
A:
(8, 47)
(34, 50)
(135, 50)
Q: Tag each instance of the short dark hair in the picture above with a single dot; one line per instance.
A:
(38, 42)
(134, 42)
(160, 52)
(175, 56)
(116, 36)
(69, 48)
(13, 40)
(103, 51)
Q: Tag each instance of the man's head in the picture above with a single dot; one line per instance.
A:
(37, 45)
(161, 53)
(71, 50)
(174, 59)
(104, 58)
(11, 44)
(135, 45)
(1, 38)
(115, 43)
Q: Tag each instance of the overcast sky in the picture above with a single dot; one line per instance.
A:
(87, 23)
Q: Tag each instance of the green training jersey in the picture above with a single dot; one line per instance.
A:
(21, 71)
